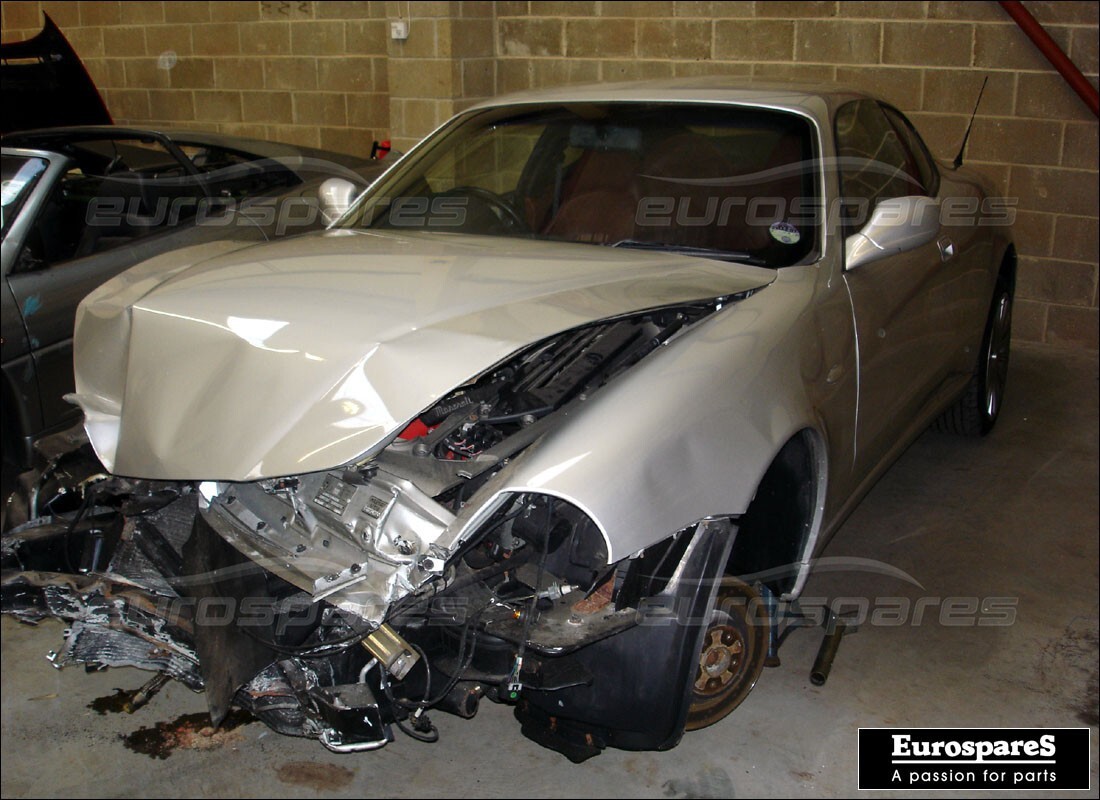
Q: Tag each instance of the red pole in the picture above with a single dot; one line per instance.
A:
(1049, 48)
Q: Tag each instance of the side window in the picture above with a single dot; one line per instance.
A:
(925, 165)
(874, 164)
(56, 233)
(20, 176)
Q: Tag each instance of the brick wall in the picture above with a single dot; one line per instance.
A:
(308, 73)
(327, 74)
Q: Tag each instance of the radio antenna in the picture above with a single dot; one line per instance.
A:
(974, 113)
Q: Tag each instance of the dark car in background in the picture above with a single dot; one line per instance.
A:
(82, 204)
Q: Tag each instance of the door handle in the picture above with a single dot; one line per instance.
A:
(947, 248)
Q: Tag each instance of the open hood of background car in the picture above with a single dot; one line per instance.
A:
(46, 85)
(304, 354)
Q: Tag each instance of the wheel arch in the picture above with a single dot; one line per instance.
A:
(777, 533)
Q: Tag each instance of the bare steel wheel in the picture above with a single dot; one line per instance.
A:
(732, 655)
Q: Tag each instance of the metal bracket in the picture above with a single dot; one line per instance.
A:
(785, 622)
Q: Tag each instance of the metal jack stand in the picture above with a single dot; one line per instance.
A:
(785, 622)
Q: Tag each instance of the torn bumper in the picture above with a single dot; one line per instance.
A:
(341, 607)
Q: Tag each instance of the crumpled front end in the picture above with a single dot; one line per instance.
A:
(431, 573)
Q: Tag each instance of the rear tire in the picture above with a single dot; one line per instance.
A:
(976, 411)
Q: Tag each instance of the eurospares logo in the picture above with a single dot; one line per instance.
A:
(974, 758)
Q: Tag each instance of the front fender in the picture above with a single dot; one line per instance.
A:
(689, 432)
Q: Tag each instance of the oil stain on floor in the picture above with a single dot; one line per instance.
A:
(186, 732)
(112, 703)
(320, 777)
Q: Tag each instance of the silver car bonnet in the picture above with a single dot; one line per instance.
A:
(305, 354)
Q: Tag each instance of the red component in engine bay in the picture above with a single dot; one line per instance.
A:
(414, 430)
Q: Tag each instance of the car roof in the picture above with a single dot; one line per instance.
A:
(813, 99)
(47, 137)
(91, 132)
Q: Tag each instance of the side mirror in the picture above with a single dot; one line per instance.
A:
(896, 225)
(336, 195)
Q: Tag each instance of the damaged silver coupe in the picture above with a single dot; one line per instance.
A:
(557, 414)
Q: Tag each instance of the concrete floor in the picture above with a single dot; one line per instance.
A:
(1011, 516)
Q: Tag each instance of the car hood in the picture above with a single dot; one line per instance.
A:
(230, 362)
(45, 84)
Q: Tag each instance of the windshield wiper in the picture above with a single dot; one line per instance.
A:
(689, 250)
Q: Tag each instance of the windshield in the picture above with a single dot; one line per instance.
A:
(20, 174)
(712, 180)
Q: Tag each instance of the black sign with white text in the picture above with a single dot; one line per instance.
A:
(974, 758)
